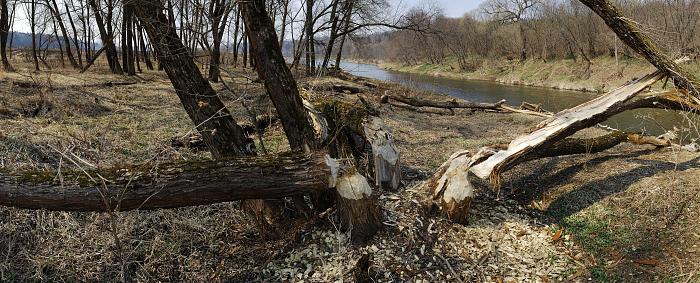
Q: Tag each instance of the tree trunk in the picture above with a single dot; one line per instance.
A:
(144, 50)
(56, 13)
(219, 13)
(75, 36)
(278, 79)
(127, 42)
(346, 26)
(106, 36)
(178, 184)
(309, 26)
(629, 33)
(213, 120)
(333, 35)
(4, 31)
(32, 26)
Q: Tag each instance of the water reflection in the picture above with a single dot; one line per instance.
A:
(642, 120)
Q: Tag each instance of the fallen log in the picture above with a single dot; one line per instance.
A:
(451, 104)
(417, 105)
(560, 126)
(176, 184)
(452, 192)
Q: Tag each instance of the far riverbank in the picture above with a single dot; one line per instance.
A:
(602, 75)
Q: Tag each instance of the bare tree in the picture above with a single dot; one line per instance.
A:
(512, 12)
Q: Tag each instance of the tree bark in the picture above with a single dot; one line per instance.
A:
(178, 184)
(206, 110)
(4, 32)
(629, 33)
(107, 39)
(278, 79)
(54, 9)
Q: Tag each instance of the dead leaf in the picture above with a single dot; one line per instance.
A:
(647, 261)
(557, 235)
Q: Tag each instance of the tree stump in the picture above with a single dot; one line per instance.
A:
(451, 190)
(386, 157)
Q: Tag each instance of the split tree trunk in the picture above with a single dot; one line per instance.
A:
(560, 126)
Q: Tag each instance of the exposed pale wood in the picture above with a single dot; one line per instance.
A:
(562, 125)
(174, 185)
(386, 156)
(358, 209)
(451, 190)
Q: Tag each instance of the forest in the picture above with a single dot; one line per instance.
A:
(349, 140)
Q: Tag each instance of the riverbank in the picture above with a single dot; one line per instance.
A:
(602, 75)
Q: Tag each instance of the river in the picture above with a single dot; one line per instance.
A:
(648, 121)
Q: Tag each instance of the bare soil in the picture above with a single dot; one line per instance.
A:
(627, 214)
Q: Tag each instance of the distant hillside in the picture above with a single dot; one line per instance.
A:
(22, 40)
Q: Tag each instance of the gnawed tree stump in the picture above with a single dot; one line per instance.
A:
(357, 208)
(451, 190)
(386, 156)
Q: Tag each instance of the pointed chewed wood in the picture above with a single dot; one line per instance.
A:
(452, 192)
(386, 156)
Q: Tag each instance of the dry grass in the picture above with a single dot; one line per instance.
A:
(627, 200)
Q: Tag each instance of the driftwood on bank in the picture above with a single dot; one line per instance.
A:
(450, 104)
(425, 106)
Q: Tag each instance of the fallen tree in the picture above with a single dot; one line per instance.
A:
(170, 185)
(452, 192)
(424, 105)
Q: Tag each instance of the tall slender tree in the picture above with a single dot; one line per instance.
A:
(4, 31)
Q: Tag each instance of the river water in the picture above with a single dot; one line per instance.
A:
(648, 121)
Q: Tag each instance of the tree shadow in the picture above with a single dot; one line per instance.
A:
(541, 181)
(592, 192)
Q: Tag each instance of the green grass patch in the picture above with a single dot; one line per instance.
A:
(591, 230)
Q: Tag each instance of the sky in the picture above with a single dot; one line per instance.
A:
(451, 8)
